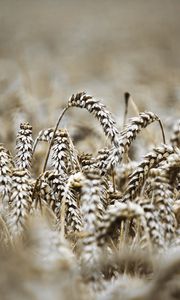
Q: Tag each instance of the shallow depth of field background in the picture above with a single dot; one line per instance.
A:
(50, 49)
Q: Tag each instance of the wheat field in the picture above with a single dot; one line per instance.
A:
(89, 150)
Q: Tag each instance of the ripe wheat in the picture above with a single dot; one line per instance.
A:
(98, 219)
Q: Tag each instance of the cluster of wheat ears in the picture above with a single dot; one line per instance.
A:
(91, 226)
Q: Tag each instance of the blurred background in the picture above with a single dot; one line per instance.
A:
(50, 49)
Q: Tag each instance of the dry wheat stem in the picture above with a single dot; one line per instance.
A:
(126, 100)
(54, 133)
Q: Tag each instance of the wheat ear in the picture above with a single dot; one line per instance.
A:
(65, 206)
(141, 173)
(154, 226)
(6, 165)
(100, 112)
(162, 191)
(113, 156)
(119, 210)
(24, 145)
(64, 158)
(20, 201)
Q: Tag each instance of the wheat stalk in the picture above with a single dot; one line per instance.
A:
(175, 136)
(45, 135)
